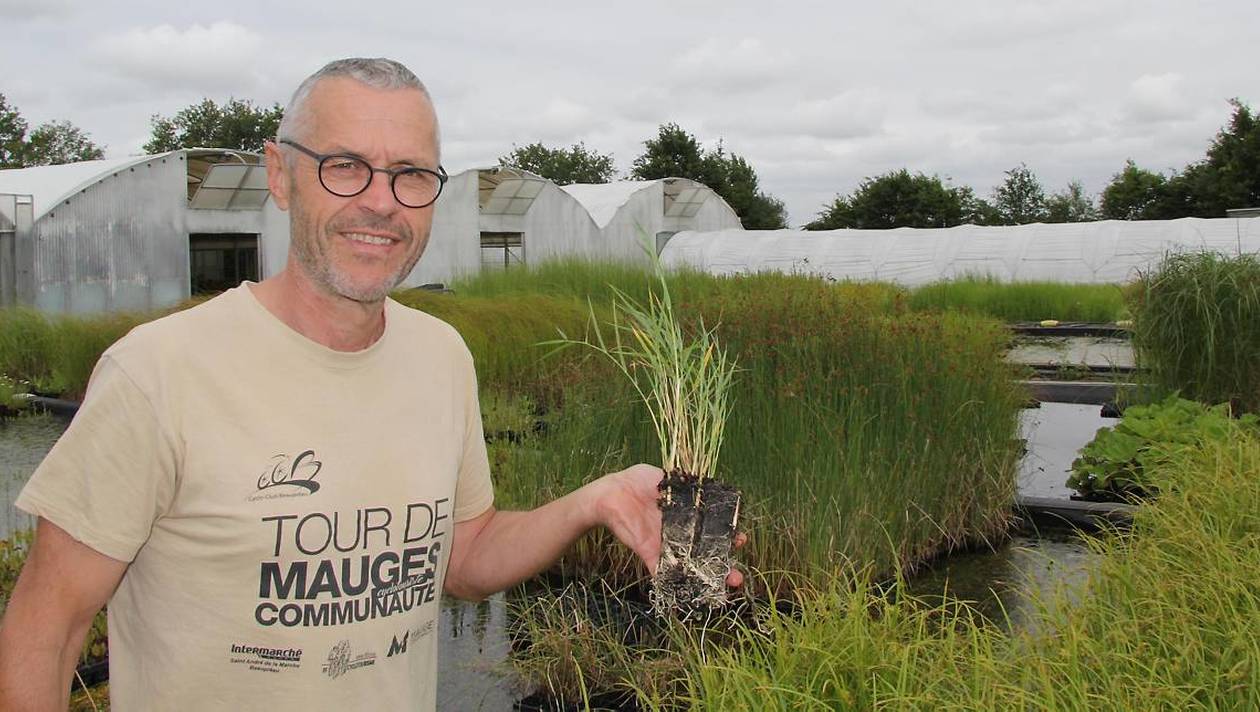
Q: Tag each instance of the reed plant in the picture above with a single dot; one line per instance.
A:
(684, 380)
(56, 354)
(1197, 327)
(1022, 301)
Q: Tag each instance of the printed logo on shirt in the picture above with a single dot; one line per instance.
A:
(349, 566)
(398, 644)
(342, 660)
(265, 659)
(288, 477)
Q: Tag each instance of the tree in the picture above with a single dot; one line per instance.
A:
(739, 187)
(899, 199)
(12, 135)
(1020, 199)
(674, 153)
(576, 164)
(237, 124)
(1072, 205)
(58, 142)
(1230, 175)
(1134, 194)
(50, 144)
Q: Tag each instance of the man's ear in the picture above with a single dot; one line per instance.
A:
(277, 175)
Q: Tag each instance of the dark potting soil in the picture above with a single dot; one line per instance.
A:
(698, 522)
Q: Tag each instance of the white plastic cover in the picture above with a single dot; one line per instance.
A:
(1095, 252)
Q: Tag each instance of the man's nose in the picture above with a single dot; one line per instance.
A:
(379, 194)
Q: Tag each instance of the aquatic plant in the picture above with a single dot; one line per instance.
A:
(1022, 301)
(1197, 327)
(1115, 464)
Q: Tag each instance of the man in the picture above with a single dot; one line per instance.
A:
(272, 488)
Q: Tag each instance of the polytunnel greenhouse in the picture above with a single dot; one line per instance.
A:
(1093, 252)
(628, 212)
(495, 218)
(135, 233)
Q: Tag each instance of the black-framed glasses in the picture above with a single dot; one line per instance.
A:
(347, 175)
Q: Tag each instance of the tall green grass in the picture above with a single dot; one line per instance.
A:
(1169, 621)
(1022, 301)
(1197, 327)
(855, 436)
(56, 354)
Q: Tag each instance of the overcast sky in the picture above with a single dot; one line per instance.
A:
(817, 95)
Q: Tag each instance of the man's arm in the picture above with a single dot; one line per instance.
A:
(499, 549)
(62, 586)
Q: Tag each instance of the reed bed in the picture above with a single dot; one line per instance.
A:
(1022, 301)
(1170, 620)
(1197, 327)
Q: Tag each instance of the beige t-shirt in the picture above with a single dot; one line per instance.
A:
(287, 509)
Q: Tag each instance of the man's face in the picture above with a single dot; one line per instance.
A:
(359, 247)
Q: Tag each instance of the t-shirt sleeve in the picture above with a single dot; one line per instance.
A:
(474, 493)
(112, 473)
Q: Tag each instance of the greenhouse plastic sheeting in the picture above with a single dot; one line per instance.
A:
(1096, 252)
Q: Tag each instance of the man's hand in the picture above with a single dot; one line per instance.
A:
(626, 505)
(499, 549)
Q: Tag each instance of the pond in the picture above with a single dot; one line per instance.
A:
(474, 644)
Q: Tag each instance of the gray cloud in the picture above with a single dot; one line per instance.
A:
(817, 95)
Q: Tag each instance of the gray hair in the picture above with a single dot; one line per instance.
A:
(376, 72)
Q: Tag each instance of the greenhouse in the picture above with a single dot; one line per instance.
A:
(1093, 252)
(135, 233)
(494, 218)
(628, 211)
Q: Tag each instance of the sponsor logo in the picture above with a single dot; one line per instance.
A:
(264, 658)
(398, 645)
(341, 660)
(288, 477)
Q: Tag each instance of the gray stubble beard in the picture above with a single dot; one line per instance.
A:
(321, 271)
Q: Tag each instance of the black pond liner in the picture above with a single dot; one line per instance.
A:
(92, 674)
(1066, 328)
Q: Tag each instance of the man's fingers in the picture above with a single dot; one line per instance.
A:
(740, 539)
(735, 578)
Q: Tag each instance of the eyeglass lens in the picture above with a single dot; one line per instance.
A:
(350, 175)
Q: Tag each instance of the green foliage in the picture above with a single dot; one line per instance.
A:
(1115, 465)
(56, 355)
(1233, 162)
(674, 153)
(1227, 177)
(1022, 301)
(1197, 327)
(50, 144)
(1071, 205)
(236, 124)
(1168, 620)
(1135, 194)
(684, 380)
(1020, 199)
(9, 392)
(835, 379)
(12, 135)
(899, 199)
(58, 142)
(562, 166)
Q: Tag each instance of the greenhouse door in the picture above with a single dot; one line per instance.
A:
(219, 261)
